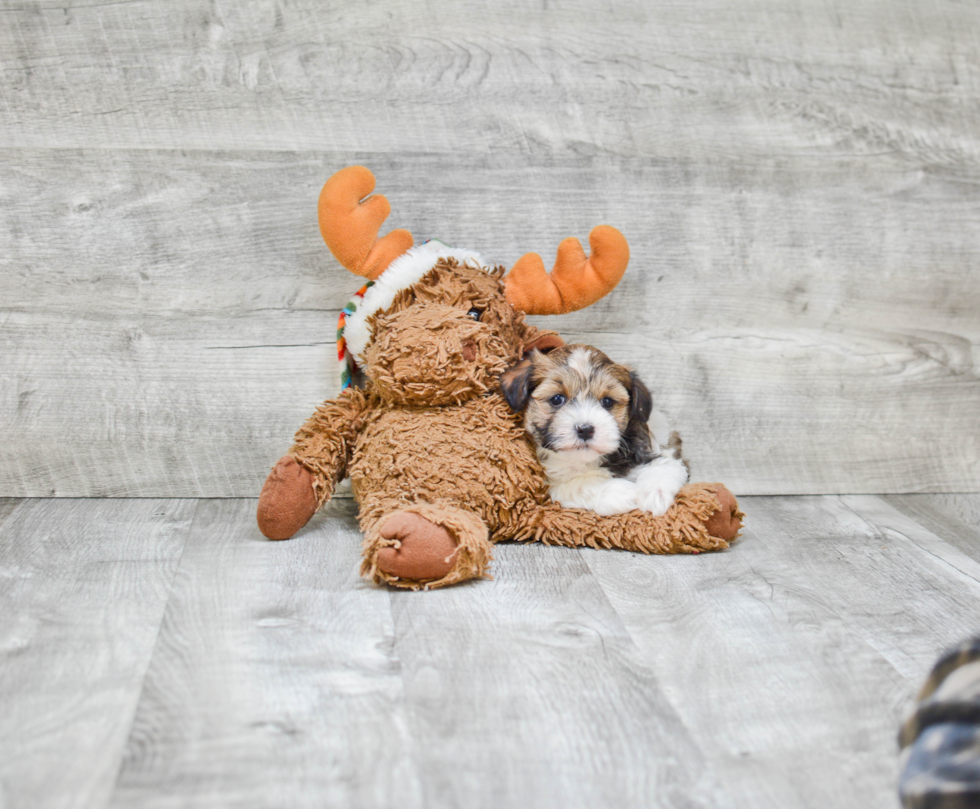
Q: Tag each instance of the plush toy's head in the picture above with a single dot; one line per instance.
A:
(435, 325)
(447, 338)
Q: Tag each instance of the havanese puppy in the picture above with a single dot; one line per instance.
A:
(588, 417)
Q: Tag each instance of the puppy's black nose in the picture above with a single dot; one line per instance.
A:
(584, 431)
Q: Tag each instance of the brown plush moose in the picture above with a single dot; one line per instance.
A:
(440, 466)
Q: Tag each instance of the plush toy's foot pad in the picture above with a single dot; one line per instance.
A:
(426, 546)
(727, 521)
(287, 500)
(422, 549)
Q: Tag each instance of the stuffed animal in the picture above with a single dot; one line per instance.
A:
(441, 467)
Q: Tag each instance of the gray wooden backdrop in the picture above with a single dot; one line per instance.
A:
(799, 182)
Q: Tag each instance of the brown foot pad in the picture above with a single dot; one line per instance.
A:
(424, 550)
(727, 521)
(287, 501)
(425, 546)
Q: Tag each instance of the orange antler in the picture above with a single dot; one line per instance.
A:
(350, 227)
(576, 281)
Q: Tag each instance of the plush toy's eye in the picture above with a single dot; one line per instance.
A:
(557, 400)
(607, 402)
(476, 314)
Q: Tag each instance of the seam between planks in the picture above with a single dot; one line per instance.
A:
(153, 647)
(410, 724)
(972, 578)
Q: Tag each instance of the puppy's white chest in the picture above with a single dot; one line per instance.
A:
(563, 467)
(577, 480)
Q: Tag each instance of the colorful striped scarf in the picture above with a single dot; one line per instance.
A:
(348, 365)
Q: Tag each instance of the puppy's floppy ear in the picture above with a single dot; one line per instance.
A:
(515, 384)
(641, 403)
(544, 341)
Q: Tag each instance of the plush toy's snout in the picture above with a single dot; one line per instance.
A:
(432, 354)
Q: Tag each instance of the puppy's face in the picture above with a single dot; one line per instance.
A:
(575, 399)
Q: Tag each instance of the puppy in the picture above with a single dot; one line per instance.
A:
(588, 417)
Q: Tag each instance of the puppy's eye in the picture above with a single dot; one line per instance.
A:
(474, 313)
(607, 402)
(557, 400)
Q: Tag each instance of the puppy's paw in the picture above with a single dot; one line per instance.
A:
(655, 500)
(657, 485)
(617, 497)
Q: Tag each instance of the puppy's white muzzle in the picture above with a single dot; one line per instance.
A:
(580, 418)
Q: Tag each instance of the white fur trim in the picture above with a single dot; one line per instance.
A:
(400, 274)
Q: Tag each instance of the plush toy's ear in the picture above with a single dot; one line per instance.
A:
(641, 402)
(515, 384)
(544, 341)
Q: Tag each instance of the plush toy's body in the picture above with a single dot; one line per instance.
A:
(440, 465)
(470, 455)
(464, 467)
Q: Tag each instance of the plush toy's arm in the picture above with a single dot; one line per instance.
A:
(305, 479)
(325, 443)
(704, 517)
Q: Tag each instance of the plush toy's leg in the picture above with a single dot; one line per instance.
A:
(287, 501)
(726, 522)
(704, 517)
(426, 545)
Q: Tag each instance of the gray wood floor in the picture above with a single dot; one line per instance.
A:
(161, 653)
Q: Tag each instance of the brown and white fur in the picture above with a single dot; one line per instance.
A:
(589, 418)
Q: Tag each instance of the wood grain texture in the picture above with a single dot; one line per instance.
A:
(151, 403)
(274, 681)
(796, 180)
(7, 506)
(162, 654)
(792, 656)
(954, 517)
(896, 528)
(575, 719)
(84, 585)
(735, 79)
(184, 368)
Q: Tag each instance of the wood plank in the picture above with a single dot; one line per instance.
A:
(799, 245)
(140, 405)
(894, 524)
(184, 369)
(274, 681)
(954, 517)
(84, 588)
(528, 691)
(736, 79)
(109, 231)
(792, 656)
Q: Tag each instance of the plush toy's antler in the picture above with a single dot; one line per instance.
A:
(350, 227)
(576, 281)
